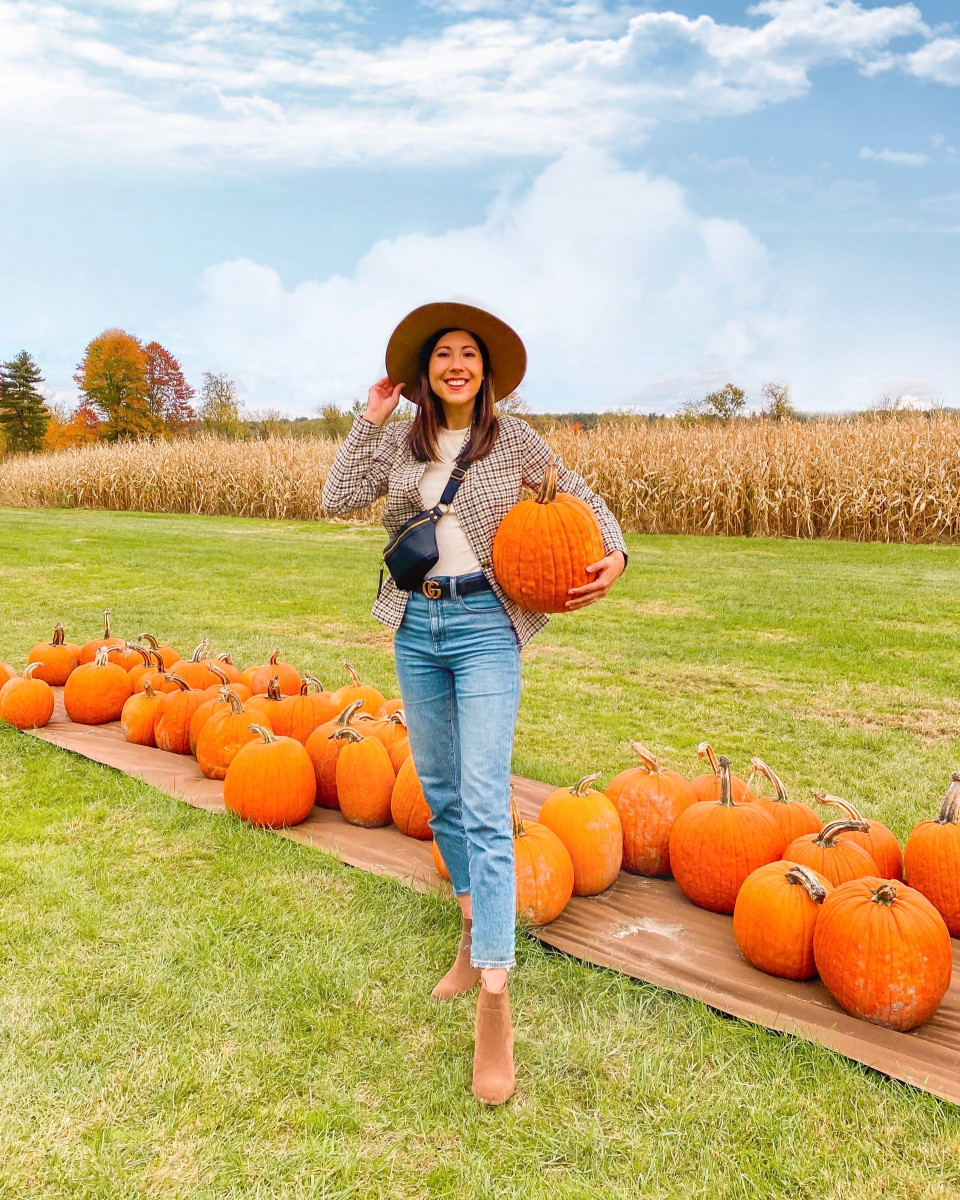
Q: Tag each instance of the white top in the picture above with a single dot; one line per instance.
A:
(456, 556)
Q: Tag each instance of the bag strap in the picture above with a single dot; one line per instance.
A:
(453, 484)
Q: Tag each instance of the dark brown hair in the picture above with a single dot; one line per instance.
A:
(429, 417)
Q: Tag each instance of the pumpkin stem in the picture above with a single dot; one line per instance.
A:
(310, 681)
(354, 677)
(885, 894)
(582, 786)
(226, 658)
(805, 878)
(102, 657)
(548, 488)
(156, 658)
(181, 683)
(274, 657)
(144, 654)
(705, 750)
(515, 819)
(650, 763)
(236, 707)
(726, 786)
(844, 806)
(348, 732)
(220, 674)
(398, 718)
(265, 733)
(950, 808)
(759, 765)
(148, 691)
(57, 639)
(150, 640)
(106, 622)
(273, 689)
(200, 653)
(29, 669)
(828, 834)
(346, 716)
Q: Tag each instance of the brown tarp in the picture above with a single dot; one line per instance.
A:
(643, 927)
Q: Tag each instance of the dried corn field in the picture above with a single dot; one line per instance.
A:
(867, 479)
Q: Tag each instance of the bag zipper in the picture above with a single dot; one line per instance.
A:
(404, 533)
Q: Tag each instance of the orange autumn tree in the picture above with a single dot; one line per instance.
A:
(168, 392)
(112, 377)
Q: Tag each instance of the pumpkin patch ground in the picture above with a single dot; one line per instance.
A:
(192, 1007)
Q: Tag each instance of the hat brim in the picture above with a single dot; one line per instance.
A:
(508, 357)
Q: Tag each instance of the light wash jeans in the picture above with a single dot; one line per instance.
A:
(458, 663)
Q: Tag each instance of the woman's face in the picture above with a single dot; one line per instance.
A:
(456, 369)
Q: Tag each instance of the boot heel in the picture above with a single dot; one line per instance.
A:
(494, 1075)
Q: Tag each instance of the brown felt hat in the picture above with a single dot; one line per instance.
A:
(508, 358)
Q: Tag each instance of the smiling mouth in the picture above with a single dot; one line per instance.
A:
(456, 384)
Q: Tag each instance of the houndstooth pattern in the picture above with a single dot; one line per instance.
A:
(376, 460)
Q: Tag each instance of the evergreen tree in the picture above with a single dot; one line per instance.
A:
(24, 415)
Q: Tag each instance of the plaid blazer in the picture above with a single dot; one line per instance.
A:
(375, 460)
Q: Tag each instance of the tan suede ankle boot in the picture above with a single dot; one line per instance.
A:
(494, 1076)
(461, 978)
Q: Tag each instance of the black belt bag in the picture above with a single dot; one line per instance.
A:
(412, 551)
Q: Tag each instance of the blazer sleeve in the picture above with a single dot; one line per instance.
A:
(361, 469)
(536, 455)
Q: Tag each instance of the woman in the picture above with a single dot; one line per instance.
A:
(458, 638)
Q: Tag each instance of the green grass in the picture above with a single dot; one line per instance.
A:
(192, 1009)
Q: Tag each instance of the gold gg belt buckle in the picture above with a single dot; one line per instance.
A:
(432, 589)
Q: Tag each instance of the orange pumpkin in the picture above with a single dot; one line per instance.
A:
(7, 672)
(545, 873)
(288, 677)
(370, 699)
(140, 714)
(175, 711)
(792, 818)
(88, 651)
(215, 704)
(55, 659)
(324, 751)
(932, 858)
(715, 845)
(399, 753)
(26, 703)
(298, 716)
(96, 692)
(879, 842)
(649, 798)
(543, 546)
(707, 786)
(365, 779)
(270, 781)
(222, 736)
(408, 805)
(155, 674)
(225, 663)
(387, 730)
(389, 707)
(883, 952)
(194, 671)
(441, 865)
(268, 703)
(589, 826)
(168, 656)
(775, 915)
(839, 860)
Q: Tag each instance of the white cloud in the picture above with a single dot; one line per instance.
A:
(899, 158)
(622, 293)
(257, 80)
(938, 61)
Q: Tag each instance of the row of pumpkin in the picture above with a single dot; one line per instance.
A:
(806, 897)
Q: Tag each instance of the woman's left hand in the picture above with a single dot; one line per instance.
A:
(608, 571)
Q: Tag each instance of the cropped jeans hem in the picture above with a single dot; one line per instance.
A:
(458, 663)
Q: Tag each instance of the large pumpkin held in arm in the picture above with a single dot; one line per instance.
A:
(589, 826)
(543, 547)
(270, 781)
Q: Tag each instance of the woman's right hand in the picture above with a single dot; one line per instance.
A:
(382, 399)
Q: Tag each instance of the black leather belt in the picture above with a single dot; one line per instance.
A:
(439, 589)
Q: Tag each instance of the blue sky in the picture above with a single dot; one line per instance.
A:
(659, 196)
